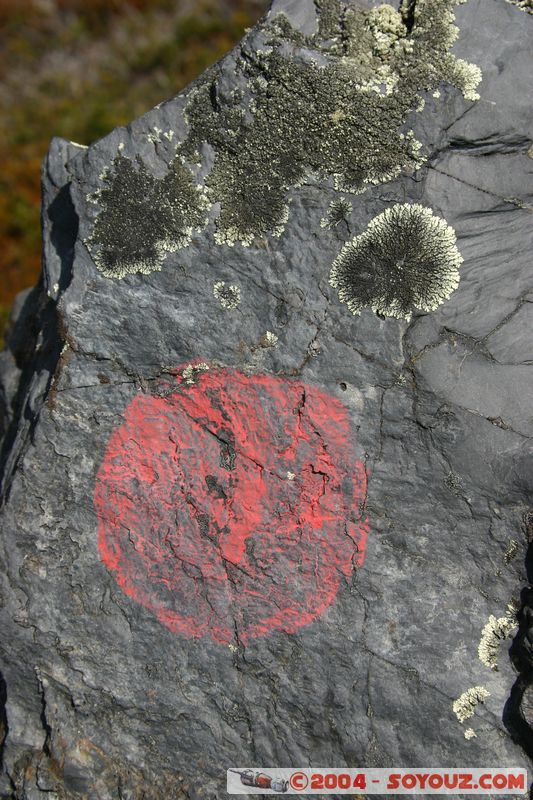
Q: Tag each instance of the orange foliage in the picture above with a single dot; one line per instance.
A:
(54, 81)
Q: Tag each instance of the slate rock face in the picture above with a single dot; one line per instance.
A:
(244, 520)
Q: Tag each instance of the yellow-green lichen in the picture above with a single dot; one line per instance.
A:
(191, 371)
(334, 106)
(496, 630)
(142, 218)
(337, 212)
(406, 259)
(510, 551)
(465, 705)
(268, 340)
(228, 296)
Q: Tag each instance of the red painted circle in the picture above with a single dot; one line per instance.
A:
(232, 505)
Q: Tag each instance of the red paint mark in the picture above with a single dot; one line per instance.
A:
(199, 522)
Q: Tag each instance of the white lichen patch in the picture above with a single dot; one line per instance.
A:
(228, 296)
(496, 630)
(465, 705)
(406, 259)
(157, 135)
(510, 551)
(191, 371)
(337, 212)
(279, 227)
(93, 197)
(470, 733)
(387, 27)
(231, 235)
(269, 340)
(469, 77)
(523, 5)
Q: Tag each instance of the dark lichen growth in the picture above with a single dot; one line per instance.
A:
(330, 14)
(282, 27)
(228, 296)
(334, 107)
(143, 218)
(406, 259)
(337, 212)
(305, 118)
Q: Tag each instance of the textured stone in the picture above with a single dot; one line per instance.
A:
(104, 696)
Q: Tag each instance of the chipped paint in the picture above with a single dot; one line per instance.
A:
(198, 522)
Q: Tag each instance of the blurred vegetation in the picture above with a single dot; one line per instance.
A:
(79, 68)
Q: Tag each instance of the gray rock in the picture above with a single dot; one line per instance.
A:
(189, 472)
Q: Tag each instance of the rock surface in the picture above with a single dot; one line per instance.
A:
(242, 525)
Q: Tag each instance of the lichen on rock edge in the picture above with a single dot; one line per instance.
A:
(143, 218)
(332, 105)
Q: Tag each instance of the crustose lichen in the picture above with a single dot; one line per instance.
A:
(143, 218)
(492, 635)
(406, 259)
(337, 212)
(228, 296)
(332, 105)
(465, 705)
(191, 371)
(523, 5)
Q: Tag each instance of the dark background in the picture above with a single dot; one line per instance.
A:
(79, 68)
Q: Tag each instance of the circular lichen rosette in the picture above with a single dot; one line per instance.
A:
(406, 260)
